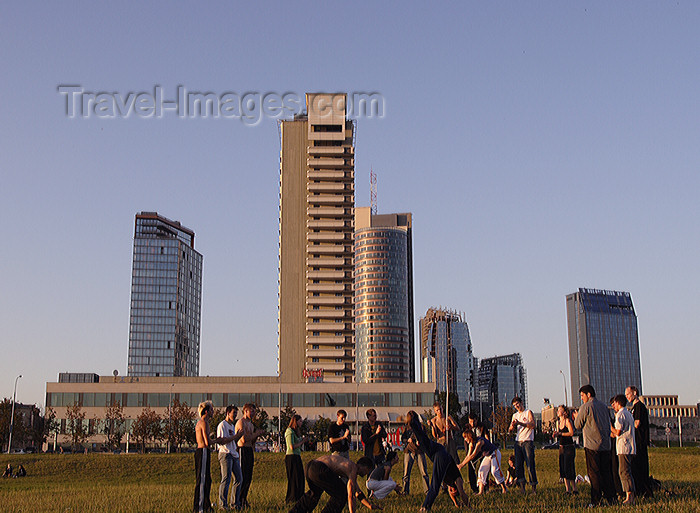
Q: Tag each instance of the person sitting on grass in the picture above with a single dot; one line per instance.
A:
(21, 472)
(444, 467)
(329, 474)
(479, 446)
(511, 474)
(379, 483)
(8, 471)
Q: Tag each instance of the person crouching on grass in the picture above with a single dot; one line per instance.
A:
(478, 446)
(329, 474)
(379, 483)
(202, 458)
(444, 467)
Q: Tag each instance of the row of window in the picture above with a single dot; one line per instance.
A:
(220, 400)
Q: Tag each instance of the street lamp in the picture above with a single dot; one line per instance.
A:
(12, 415)
(564, 376)
(170, 415)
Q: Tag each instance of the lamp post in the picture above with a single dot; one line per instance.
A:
(170, 414)
(564, 376)
(12, 415)
(357, 411)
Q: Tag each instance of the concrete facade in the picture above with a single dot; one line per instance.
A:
(317, 200)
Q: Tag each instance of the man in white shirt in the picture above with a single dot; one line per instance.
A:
(523, 422)
(228, 458)
(625, 445)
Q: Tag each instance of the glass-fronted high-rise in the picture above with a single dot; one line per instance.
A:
(383, 297)
(501, 378)
(446, 353)
(603, 342)
(166, 291)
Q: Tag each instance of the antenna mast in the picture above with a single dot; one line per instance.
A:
(373, 191)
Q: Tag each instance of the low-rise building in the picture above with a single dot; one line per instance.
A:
(310, 400)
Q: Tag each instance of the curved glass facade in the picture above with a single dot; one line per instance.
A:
(382, 305)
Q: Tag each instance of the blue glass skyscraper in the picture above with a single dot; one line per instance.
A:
(603, 342)
(446, 353)
(166, 292)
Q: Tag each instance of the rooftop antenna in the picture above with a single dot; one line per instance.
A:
(373, 192)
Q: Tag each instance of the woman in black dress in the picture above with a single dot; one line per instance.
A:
(567, 449)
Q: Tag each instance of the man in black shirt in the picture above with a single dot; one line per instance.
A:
(372, 435)
(339, 435)
(640, 463)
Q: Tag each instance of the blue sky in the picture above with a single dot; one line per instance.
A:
(541, 147)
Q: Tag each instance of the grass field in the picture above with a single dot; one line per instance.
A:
(165, 482)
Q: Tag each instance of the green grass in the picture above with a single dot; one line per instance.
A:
(165, 482)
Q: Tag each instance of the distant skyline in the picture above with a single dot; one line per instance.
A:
(540, 149)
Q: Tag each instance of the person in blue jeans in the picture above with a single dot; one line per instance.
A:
(523, 423)
(229, 459)
(444, 467)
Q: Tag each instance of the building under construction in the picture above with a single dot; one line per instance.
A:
(446, 353)
(501, 378)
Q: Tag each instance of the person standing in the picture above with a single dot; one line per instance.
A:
(523, 423)
(640, 463)
(412, 452)
(372, 434)
(567, 449)
(444, 430)
(229, 459)
(292, 461)
(623, 430)
(593, 418)
(246, 447)
(339, 435)
(202, 459)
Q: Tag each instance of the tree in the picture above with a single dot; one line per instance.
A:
(320, 429)
(75, 426)
(262, 421)
(113, 426)
(501, 417)
(19, 432)
(286, 416)
(146, 428)
(182, 421)
(216, 418)
(48, 425)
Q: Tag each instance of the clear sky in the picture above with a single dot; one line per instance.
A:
(541, 147)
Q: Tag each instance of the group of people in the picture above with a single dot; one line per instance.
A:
(622, 467)
(236, 442)
(335, 474)
(9, 471)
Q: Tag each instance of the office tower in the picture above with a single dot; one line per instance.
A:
(603, 342)
(383, 297)
(166, 292)
(317, 198)
(501, 378)
(446, 353)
